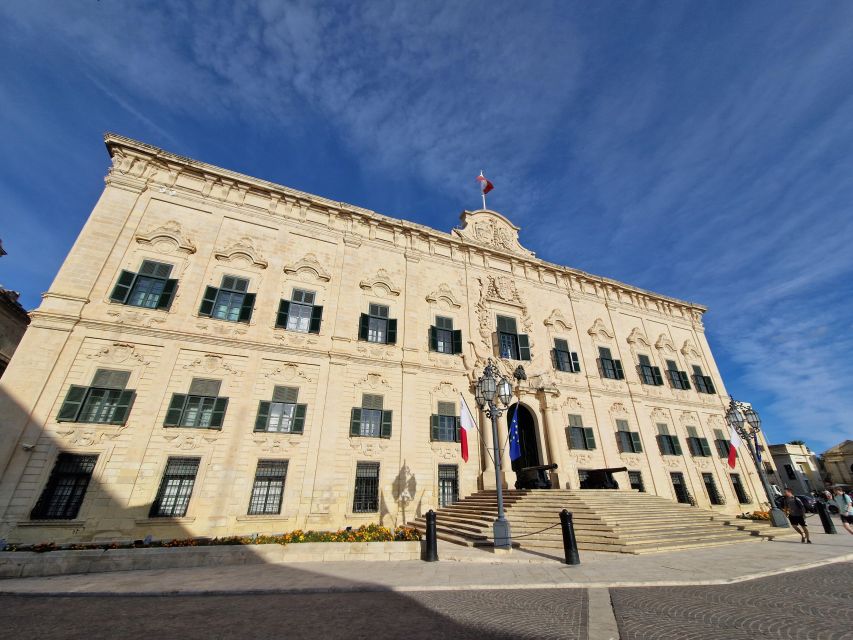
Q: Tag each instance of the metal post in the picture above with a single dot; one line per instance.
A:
(570, 543)
(503, 539)
(825, 519)
(431, 552)
(777, 517)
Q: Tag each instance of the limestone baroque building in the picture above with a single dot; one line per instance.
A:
(219, 354)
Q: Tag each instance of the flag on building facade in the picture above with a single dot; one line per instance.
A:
(467, 426)
(514, 444)
(734, 443)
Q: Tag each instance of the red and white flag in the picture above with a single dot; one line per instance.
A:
(485, 185)
(467, 424)
(734, 443)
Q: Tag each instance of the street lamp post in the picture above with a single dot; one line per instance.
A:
(744, 419)
(491, 388)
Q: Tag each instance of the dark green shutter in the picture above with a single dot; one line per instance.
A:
(706, 449)
(589, 438)
(385, 430)
(458, 430)
(621, 441)
(363, 326)
(433, 338)
(392, 332)
(316, 319)
(246, 308)
(685, 380)
(281, 316)
(218, 414)
(555, 358)
(122, 408)
(523, 347)
(433, 423)
(207, 302)
(70, 408)
(635, 442)
(676, 446)
(263, 416)
(709, 384)
(355, 422)
(123, 286)
(176, 408)
(662, 445)
(298, 423)
(576, 365)
(657, 376)
(456, 338)
(168, 294)
(617, 365)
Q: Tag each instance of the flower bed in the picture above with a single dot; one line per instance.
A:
(755, 515)
(365, 533)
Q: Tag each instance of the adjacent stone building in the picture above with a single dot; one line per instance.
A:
(13, 323)
(796, 468)
(838, 463)
(219, 354)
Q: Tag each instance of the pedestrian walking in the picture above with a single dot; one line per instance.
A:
(845, 508)
(796, 511)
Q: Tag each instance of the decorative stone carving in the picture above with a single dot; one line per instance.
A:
(381, 284)
(600, 331)
(295, 339)
(168, 238)
(581, 457)
(188, 442)
(228, 329)
(688, 418)
(373, 382)
(664, 343)
(571, 403)
(119, 352)
(631, 460)
(90, 437)
(672, 462)
(243, 250)
(618, 409)
(445, 451)
(287, 372)
(212, 363)
(445, 295)
(659, 414)
(369, 447)
(638, 337)
(558, 322)
(702, 463)
(309, 265)
(275, 444)
(490, 229)
(375, 351)
(500, 290)
(135, 318)
(688, 350)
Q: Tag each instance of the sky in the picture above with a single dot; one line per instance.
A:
(697, 149)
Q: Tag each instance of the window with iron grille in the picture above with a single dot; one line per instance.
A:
(703, 383)
(370, 420)
(106, 401)
(681, 492)
(649, 374)
(201, 408)
(231, 301)
(282, 414)
(668, 444)
(66, 488)
(610, 368)
(300, 313)
(742, 496)
(268, 489)
(376, 326)
(711, 487)
(444, 425)
(698, 446)
(678, 379)
(580, 437)
(443, 338)
(721, 443)
(176, 488)
(448, 484)
(511, 344)
(636, 480)
(366, 495)
(789, 471)
(565, 359)
(150, 288)
(628, 441)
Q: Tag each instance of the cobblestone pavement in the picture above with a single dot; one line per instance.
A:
(815, 603)
(480, 615)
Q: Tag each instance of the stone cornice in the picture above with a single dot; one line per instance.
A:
(142, 164)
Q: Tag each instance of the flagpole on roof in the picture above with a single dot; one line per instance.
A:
(483, 193)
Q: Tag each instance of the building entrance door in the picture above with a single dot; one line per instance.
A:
(526, 437)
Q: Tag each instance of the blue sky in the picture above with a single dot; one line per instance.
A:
(701, 150)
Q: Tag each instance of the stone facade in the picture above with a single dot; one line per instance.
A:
(13, 323)
(208, 223)
(838, 463)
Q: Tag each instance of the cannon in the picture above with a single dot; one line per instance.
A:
(534, 477)
(602, 478)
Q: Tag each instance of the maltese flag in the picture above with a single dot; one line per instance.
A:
(467, 426)
(485, 185)
(734, 443)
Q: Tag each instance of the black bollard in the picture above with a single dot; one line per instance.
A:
(431, 553)
(570, 544)
(825, 519)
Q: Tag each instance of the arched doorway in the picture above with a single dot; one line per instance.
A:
(526, 437)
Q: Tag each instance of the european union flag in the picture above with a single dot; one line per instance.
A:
(757, 450)
(514, 444)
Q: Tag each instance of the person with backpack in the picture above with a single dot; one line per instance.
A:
(796, 511)
(845, 508)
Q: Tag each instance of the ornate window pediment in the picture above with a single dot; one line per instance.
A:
(637, 336)
(558, 321)
(166, 238)
(443, 293)
(600, 330)
(310, 264)
(663, 342)
(380, 283)
(242, 250)
(689, 350)
(491, 229)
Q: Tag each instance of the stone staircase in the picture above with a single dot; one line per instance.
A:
(604, 520)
